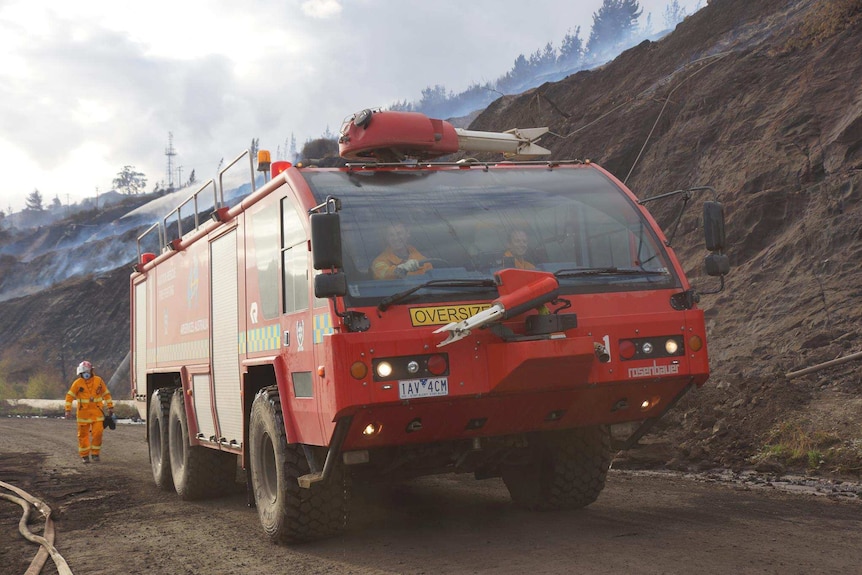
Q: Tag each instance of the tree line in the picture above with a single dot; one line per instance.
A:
(615, 26)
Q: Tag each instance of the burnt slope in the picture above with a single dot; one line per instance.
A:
(762, 101)
(54, 329)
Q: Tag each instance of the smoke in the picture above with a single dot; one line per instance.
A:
(59, 252)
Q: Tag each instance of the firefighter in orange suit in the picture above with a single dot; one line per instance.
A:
(91, 393)
(399, 259)
(516, 251)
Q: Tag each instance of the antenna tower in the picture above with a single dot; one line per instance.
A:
(170, 152)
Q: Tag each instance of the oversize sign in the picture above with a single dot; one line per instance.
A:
(441, 315)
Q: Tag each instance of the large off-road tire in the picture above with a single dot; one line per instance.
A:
(198, 472)
(157, 437)
(566, 470)
(289, 513)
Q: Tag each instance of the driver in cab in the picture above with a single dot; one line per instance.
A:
(399, 259)
(516, 251)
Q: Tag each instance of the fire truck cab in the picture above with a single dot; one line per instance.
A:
(396, 317)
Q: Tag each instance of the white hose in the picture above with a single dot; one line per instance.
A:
(25, 501)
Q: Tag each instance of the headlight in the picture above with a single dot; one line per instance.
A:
(410, 366)
(652, 347)
(670, 346)
(384, 369)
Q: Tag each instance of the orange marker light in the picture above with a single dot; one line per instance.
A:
(358, 370)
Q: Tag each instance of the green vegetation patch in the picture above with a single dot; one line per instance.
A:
(796, 443)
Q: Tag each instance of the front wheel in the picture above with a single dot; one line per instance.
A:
(566, 469)
(289, 513)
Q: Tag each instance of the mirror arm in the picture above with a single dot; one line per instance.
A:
(715, 291)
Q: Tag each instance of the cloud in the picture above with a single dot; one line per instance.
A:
(321, 9)
(89, 87)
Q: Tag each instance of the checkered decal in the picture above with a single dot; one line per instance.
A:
(260, 339)
(322, 326)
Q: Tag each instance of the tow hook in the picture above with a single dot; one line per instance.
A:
(602, 352)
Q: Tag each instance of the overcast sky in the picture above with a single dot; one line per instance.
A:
(89, 86)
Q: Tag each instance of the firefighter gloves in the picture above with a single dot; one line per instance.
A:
(407, 267)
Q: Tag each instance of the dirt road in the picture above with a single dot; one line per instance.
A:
(110, 518)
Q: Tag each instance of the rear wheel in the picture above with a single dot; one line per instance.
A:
(157, 437)
(567, 469)
(289, 513)
(198, 472)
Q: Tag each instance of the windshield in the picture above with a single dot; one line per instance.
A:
(409, 227)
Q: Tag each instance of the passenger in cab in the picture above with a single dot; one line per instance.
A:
(516, 251)
(400, 258)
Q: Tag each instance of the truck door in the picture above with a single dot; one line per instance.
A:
(297, 327)
(225, 356)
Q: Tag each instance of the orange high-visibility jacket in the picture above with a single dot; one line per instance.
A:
(91, 395)
(520, 263)
(384, 265)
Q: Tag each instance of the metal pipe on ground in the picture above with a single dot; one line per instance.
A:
(824, 365)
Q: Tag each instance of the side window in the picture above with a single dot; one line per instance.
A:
(265, 232)
(294, 257)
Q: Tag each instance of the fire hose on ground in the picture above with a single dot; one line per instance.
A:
(47, 542)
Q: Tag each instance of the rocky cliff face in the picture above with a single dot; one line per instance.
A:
(760, 100)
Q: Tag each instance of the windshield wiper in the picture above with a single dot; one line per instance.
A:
(610, 271)
(396, 297)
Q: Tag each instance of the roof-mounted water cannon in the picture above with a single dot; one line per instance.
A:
(386, 136)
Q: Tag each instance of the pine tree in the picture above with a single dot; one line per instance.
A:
(33, 202)
(673, 14)
(613, 24)
(129, 181)
(571, 49)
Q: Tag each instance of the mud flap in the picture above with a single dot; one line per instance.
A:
(338, 436)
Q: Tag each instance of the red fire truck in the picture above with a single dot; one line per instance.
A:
(394, 317)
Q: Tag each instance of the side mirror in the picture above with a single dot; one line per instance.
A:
(325, 241)
(717, 265)
(713, 226)
(330, 285)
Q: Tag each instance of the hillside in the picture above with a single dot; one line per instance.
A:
(63, 297)
(760, 100)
